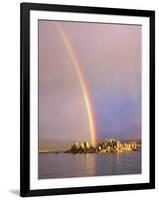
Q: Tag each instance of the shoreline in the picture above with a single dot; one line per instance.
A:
(106, 146)
(63, 152)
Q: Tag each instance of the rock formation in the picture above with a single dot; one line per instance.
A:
(106, 146)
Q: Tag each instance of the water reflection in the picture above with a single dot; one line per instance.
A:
(90, 164)
(78, 165)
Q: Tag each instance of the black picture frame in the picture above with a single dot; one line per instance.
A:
(25, 9)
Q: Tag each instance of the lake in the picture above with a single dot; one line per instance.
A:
(63, 165)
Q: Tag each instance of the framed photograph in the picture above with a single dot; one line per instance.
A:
(87, 99)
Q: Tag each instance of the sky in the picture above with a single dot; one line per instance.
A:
(110, 59)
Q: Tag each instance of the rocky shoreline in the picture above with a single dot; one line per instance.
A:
(106, 146)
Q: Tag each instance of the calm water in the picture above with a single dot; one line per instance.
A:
(53, 165)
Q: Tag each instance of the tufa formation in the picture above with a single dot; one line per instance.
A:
(106, 146)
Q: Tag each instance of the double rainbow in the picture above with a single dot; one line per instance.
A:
(83, 83)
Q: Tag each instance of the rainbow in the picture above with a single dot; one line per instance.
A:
(83, 82)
